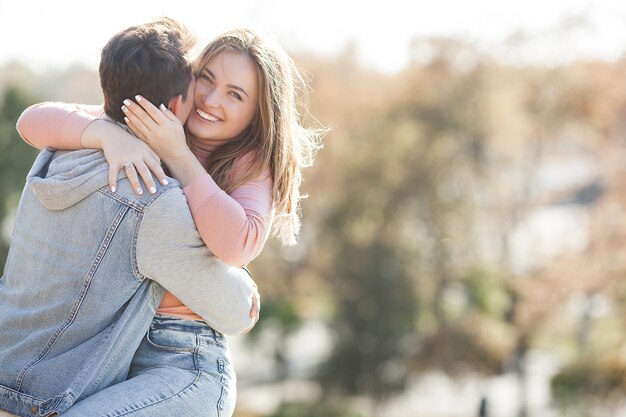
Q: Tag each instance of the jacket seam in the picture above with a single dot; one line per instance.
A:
(148, 204)
(135, 205)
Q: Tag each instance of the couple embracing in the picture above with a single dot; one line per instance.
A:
(127, 262)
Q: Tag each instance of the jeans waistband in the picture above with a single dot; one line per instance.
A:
(161, 321)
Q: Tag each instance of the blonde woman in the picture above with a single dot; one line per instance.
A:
(239, 159)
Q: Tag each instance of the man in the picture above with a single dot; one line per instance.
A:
(81, 283)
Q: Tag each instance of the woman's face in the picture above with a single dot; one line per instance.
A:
(226, 98)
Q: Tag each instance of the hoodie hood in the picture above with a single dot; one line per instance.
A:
(61, 179)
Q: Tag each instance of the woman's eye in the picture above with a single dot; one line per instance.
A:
(236, 95)
(206, 77)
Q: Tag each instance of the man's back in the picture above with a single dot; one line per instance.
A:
(71, 292)
(74, 298)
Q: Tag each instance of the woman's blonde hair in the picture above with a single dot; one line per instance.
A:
(276, 138)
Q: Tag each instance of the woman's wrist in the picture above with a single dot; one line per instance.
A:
(185, 168)
(94, 134)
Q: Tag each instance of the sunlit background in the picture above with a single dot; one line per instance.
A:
(463, 250)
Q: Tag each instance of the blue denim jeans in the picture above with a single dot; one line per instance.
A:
(182, 368)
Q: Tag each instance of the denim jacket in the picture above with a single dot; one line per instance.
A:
(84, 276)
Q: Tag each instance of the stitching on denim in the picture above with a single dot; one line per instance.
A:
(168, 348)
(215, 338)
(51, 405)
(81, 296)
(116, 352)
(139, 206)
(98, 378)
(205, 335)
(196, 354)
(157, 292)
(133, 249)
(154, 197)
(147, 205)
(220, 369)
(195, 381)
(122, 199)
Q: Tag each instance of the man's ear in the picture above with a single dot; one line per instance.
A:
(175, 105)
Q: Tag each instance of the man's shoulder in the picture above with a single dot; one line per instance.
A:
(169, 208)
(169, 197)
(167, 230)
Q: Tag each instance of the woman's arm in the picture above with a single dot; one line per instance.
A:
(76, 126)
(235, 227)
(56, 125)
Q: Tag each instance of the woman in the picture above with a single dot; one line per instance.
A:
(240, 168)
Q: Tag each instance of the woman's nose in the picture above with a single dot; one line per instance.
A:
(211, 98)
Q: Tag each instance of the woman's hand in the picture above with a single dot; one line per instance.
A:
(254, 311)
(122, 150)
(159, 128)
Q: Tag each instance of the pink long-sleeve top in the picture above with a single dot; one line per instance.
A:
(234, 227)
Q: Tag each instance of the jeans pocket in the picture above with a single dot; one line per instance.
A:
(171, 340)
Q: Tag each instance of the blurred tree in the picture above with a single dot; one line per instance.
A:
(591, 387)
(394, 227)
(358, 248)
(16, 158)
(592, 283)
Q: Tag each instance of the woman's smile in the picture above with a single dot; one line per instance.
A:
(226, 98)
(207, 116)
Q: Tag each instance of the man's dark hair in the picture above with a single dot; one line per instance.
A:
(149, 59)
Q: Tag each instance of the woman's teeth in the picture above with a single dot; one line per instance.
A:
(207, 116)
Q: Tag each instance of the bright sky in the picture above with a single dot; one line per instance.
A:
(65, 32)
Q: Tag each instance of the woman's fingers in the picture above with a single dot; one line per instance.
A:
(143, 170)
(254, 310)
(131, 154)
(167, 112)
(165, 137)
(136, 125)
(154, 165)
(151, 110)
(136, 170)
(113, 171)
(131, 173)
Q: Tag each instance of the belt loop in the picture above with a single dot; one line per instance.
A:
(219, 338)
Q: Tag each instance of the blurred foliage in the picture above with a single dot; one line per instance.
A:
(279, 311)
(582, 384)
(474, 344)
(374, 322)
(279, 314)
(16, 158)
(301, 409)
